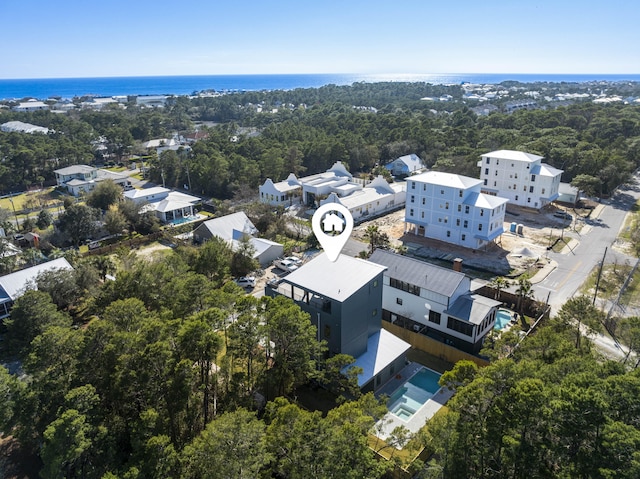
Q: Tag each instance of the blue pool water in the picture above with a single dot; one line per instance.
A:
(502, 319)
(413, 394)
(180, 221)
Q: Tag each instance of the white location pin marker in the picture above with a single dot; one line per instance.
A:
(332, 224)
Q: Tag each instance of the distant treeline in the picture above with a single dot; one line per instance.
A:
(262, 135)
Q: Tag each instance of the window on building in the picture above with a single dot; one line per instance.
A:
(459, 193)
(442, 192)
(413, 185)
(528, 200)
(375, 283)
(531, 189)
(485, 182)
(463, 237)
(327, 331)
(465, 224)
(407, 287)
(423, 201)
(495, 183)
(448, 234)
(422, 214)
(399, 301)
(466, 209)
(446, 205)
(413, 199)
(458, 222)
(481, 212)
(411, 212)
(460, 327)
(374, 312)
(459, 208)
(488, 161)
(486, 171)
(543, 190)
(533, 178)
(516, 197)
(480, 227)
(434, 317)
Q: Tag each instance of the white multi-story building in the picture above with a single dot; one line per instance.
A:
(452, 208)
(520, 177)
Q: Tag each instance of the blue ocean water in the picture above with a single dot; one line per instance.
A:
(43, 88)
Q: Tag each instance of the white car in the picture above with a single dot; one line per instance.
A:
(246, 282)
(286, 265)
(295, 260)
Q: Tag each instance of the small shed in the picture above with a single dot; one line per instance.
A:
(568, 194)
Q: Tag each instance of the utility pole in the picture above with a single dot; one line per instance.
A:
(595, 294)
(14, 213)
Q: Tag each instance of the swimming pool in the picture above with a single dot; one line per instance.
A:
(184, 219)
(414, 393)
(502, 319)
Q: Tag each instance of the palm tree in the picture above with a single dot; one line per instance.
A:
(498, 284)
(371, 233)
(524, 291)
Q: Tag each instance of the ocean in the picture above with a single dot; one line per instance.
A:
(44, 88)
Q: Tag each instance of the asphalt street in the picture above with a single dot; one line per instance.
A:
(575, 267)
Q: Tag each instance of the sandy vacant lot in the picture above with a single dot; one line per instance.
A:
(512, 253)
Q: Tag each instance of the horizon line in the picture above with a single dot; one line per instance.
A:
(369, 74)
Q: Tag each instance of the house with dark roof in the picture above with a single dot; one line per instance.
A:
(344, 300)
(434, 301)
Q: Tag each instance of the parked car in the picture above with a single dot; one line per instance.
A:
(563, 214)
(294, 259)
(286, 264)
(246, 282)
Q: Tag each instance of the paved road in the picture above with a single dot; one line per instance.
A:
(575, 267)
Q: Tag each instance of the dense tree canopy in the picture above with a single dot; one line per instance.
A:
(361, 125)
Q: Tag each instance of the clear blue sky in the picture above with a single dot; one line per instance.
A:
(85, 38)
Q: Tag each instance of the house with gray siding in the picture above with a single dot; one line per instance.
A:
(344, 300)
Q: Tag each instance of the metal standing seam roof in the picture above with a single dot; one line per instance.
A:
(337, 280)
(428, 276)
(382, 349)
(13, 285)
(136, 194)
(513, 155)
(224, 226)
(545, 170)
(472, 308)
(451, 180)
(75, 169)
(482, 200)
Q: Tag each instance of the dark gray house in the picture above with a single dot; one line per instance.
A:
(344, 300)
